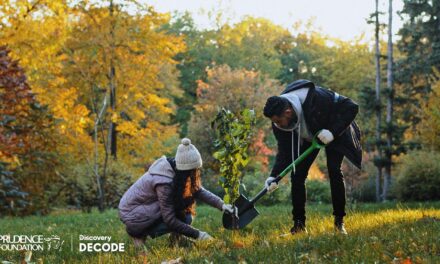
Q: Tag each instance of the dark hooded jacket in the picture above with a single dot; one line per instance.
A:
(323, 109)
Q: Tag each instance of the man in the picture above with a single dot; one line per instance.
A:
(301, 111)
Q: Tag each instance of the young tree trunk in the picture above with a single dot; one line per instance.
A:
(110, 147)
(112, 127)
(96, 158)
(389, 118)
(112, 86)
(378, 107)
(100, 178)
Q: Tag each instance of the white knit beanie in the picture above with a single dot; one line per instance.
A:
(187, 156)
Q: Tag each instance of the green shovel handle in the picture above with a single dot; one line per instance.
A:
(315, 145)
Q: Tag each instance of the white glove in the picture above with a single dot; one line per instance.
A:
(230, 209)
(273, 186)
(204, 236)
(326, 136)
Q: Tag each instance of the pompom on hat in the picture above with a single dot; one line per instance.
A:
(187, 156)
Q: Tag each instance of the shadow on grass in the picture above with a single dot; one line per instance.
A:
(374, 240)
(391, 233)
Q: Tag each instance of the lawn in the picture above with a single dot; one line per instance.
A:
(378, 233)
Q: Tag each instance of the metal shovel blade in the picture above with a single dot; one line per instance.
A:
(246, 213)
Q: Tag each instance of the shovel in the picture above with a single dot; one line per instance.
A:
(246, 209)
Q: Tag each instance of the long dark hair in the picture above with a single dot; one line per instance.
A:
(185, 184)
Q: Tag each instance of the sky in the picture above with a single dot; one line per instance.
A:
(343, 19)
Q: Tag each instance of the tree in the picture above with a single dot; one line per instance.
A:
(429, 126)
(41, 56)
(234, 134)
(343, 66)
(25, 135)
(251, 44)
(107, 50)
(389, 114)
(378, 107)
(192, 64)
(420, 47)
(103, 72)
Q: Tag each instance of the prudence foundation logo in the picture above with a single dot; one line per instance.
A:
(30, 243)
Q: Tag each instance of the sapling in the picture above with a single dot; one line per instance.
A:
(233, 137)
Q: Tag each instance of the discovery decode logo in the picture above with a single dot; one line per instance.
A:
(90, 243)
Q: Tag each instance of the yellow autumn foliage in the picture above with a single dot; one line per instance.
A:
(68, 50)
(127, 128)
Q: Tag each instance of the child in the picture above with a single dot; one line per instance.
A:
(163, 199)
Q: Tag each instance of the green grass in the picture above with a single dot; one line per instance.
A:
(383, 233)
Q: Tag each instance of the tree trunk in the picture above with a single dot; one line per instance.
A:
(378, 107)
(110, 147)
(111, 76)
(389, 118)
(112, 127)
(100, 179)
(96, 160)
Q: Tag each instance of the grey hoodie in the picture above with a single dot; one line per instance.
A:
(296, 99)
(151, 198)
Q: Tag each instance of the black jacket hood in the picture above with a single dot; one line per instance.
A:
(298, 84)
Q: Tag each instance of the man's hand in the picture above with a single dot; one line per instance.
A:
(326, 136)
(270, 184)
(204, 236)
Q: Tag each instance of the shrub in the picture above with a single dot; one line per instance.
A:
(419, 177)
(366, 192)
(80, 191)
(12, 198)
(253, 183)
(318, 191)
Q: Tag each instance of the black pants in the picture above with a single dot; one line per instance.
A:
(337, 183)
(141, 229)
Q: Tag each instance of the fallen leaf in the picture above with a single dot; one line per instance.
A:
(238, 244)
(407, 261)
